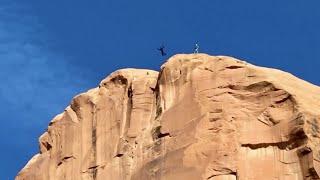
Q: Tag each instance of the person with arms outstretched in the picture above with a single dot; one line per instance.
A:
(161, 49)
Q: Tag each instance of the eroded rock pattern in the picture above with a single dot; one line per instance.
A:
(201, 117)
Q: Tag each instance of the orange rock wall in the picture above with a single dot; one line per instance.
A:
(201, 117)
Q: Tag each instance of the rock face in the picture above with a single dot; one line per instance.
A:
(201, 117)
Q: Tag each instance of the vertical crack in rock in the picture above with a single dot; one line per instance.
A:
(158, 102)
(308, 169)
(94, 140)
(129, 105)
(156, 133)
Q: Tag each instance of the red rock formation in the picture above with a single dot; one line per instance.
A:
(202, 117)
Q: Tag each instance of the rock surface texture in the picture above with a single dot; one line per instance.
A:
(201, 117)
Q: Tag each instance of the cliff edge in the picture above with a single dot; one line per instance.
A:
(200, 117)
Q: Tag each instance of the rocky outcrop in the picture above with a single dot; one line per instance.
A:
(201, 117)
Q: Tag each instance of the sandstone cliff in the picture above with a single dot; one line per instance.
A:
(201, 117)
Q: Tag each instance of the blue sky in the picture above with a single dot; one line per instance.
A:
(52, 50)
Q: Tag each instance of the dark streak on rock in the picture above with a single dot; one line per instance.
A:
(234, 67)
(129, 105)
(156, 90)
(119, 155)
(94, 138)
(65, 159)
(284, 99)
(156, 134)
(47, 145)
(119, 80)
(93, 167)
(231, 173)
(295, 141)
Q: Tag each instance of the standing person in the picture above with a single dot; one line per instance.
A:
(161, 49)
(196, 49)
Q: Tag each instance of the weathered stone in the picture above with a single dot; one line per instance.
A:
(201, 117)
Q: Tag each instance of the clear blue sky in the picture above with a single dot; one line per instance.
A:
(52, 50)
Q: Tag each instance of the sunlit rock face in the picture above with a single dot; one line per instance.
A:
(200, 117)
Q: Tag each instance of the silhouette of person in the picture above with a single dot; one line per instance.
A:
(161, 49)
(196, 49)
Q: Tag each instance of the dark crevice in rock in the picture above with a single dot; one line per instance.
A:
(130, 92)
(161, 135)
(280, 145)
(119, 80)
(94, 174)
(129, 106)
(251, 76)
(305, 156)
(68, 157)
(284, 99)
(304, 151)
(156, 133)
(65, 159)
(158, 111)
(94, 138)
(156, 90)
(313, 174)
(159, 79)
(94, 167)
(234, 67)
(47, 145)
(119, 155)
(153, 89)
(207, 69)
(231, 173)
(234, 87)
(93, 170)
(261, 86)
(295, 141)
